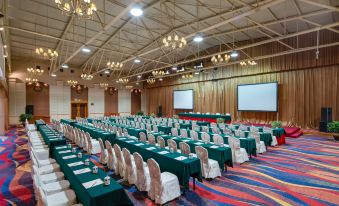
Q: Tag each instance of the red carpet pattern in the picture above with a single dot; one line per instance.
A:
(305, 171)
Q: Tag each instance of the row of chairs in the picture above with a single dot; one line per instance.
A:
(50, 187)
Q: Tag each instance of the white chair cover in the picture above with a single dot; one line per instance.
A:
(143, 177)
(130, 170)
(210, 168)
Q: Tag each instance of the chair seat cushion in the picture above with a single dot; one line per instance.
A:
(55, 187)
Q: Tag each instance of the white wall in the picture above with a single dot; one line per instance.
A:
(124, 102)
(17, 100)
(96, 101)
(59, 101)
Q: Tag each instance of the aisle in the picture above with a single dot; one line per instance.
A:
(304, 171)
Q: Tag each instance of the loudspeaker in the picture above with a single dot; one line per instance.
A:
(160, 111)
(323, 127)
(30, 109)
(326, 114)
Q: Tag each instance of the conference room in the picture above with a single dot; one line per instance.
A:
(169, 102)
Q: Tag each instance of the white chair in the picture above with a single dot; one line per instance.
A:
(143, 177)
(183, 133)
(274, 138)
(210, 168)
(172, 145)
(47, 169)
(261, 148)
(164, 186)
(218, 140)
(155, 128)
(194, 135)
(63, 198)
(174, 132)
(103, 153)
(161, 142)
(110, 155)
(151, 139)
(50, 188)
(205, 137)
(120, 163)
(130, 170)
(92, 146)
(239, 155)
(143, 137)
(184, 148)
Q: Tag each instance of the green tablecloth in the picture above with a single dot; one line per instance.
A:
(99, 195)
(135, 131)
(201, 123)
(209, 116)
(68, 121)
(221, 154)
(183, 169)
(185, 126)
(51, 138)
(164, 129)
(39, 123)
(96, 133)
(265, 137)
(278, 132)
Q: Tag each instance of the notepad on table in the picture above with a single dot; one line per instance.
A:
(198, 143)
(65, 151)
(180, 158)
(163, 152)
(81, 171)
(214, 146)
(75, 164)
(62, 147)
(92, 183)
(69, 157)
(150, 148)
(186, 140)
(139, 144)
(129, 141)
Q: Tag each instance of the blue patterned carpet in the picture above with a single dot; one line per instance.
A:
(305, 171)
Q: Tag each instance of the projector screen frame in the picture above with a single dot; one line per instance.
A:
(184, 90)
(277, 97)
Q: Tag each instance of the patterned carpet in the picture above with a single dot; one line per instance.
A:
(305, 171)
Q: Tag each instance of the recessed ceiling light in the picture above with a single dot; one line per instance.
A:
(5, 46)
(234, 54)
(139, 76)
(65, 66)
(137, 83)
(198, 38)
(86, 50)
(160, 79)
(136, 11)
(1, 28)
(106, 71)
(174, 68)
(137, 61)
(53, 75)
(196, 72)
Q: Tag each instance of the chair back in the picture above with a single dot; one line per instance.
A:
(215, 130)
(161, 142)
(204, 128)
(194, 135)
(127, 157)
(202, 154)
(155, 128)
(174, 132)
(183, 133)
(151, 139)
(185, 148)
(155, 173)
(143, 137)
(218, 140)
(172, 144)
(205, 137)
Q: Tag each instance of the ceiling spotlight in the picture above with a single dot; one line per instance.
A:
(1, 28)
(174, 68)
(86, 50)
(137, 83)
(65, 66)
(136, 11)
(234, 54)
(137, 61)
(196, 72)
(160, 79)
(106, 71)
(5, 46)
(139, 76)
(53, 75)
(198, 38)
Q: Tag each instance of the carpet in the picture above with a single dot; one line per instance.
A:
(305, 171)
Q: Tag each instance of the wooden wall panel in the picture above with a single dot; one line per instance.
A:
(111, 103)
(135, 102)
(80, 94)
(39, 98)
(305, 85)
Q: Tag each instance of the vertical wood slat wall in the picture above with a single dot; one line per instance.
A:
(305, 84)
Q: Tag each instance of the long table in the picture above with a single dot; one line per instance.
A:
(68, 121)
(221, 154)
(51, 138)
(205, 117)
(98, 195)
(183, 169)
(39, 123)
(96, 133)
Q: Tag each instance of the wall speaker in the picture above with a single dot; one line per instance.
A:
(326, 114)
(30, 109)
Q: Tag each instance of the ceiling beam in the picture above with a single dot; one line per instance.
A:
(333, 8)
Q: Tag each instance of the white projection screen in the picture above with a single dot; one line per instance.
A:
(183, 99)
(258, 97)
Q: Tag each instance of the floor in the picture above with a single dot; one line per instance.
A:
(305, 171)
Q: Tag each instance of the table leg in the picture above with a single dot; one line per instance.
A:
(193, 183)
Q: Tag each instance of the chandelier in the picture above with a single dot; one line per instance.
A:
(219, 59)
(80, 8)
(35, 71)
(124, 81)
(174, 41)
(86, 76)
(72, 83)
(159, 73)
(150, 80)
(48, 54)
(129, 86)
(30, 80)
(250, 63)
(104, 85)
(115, 65)
(187, 76)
